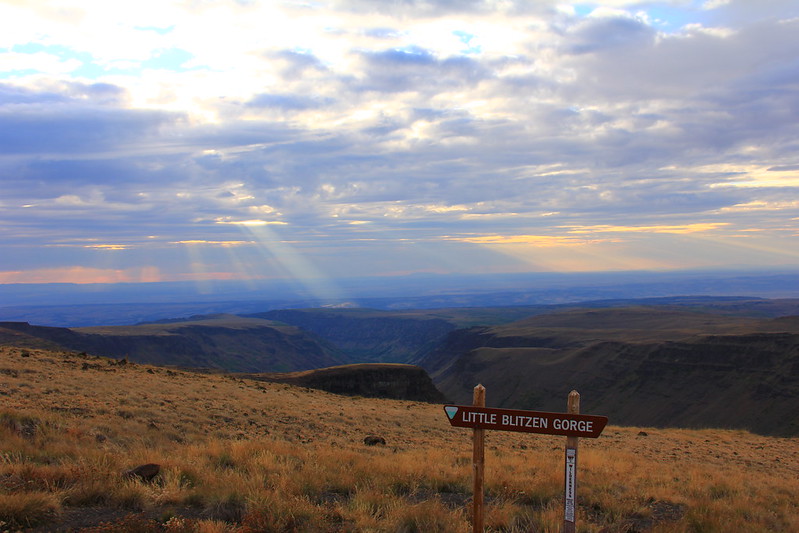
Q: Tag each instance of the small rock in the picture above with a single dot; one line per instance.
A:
(374, 440)
(144, 472)
(643, 434)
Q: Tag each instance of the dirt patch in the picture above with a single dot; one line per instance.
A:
(75, 519)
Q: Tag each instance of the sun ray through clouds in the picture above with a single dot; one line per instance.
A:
(200, 272)
(291, 261)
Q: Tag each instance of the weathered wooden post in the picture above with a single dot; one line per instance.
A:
(571, 425)
(569, 499)
(478, 463)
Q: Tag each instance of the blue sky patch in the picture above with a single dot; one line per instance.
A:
(665, 17)
(671, 18)
(159, 31)
(170, 59)
(466, 38)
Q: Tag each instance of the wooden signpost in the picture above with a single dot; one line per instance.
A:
(571, 424)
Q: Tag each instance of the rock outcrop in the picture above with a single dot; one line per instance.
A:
(372, 380)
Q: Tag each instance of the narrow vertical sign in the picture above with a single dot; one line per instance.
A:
(570, 495)
(571, 483)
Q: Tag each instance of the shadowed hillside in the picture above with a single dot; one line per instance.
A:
(367, 335)
(223, 342)
(371, 335)
(374, 380)
(655, 366)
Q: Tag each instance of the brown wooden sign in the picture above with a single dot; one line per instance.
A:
(569, 425)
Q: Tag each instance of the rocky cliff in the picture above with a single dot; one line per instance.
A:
(637, 366)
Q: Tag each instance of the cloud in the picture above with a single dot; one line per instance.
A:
(79, 274)
(294, 65)
(676, 229)
(480, 125)
(416, 69)
(742, 12)
(422, 8)
(601, 34)
(71, 118)
(287, 102)
(539, 241)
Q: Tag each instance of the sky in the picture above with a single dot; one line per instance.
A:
(193, 140)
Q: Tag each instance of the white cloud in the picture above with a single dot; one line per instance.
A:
(333, 121)
(39, 62)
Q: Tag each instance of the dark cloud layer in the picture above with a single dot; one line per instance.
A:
(417, 70)
(74, 130)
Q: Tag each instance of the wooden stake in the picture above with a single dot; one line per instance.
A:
(570, 496)
(478, 464)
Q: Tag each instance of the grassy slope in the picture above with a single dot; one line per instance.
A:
(243, 456)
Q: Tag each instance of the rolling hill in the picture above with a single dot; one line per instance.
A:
(223, 342)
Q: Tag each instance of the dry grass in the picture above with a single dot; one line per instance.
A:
(241, 456)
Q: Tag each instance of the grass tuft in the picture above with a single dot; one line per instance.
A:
(28, 509)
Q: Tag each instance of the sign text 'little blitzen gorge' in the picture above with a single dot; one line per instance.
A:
(569, 425)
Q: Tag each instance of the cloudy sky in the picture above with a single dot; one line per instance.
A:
(164, 140)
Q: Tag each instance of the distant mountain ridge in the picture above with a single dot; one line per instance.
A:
(54, 304)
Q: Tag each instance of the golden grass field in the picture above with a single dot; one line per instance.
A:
(247, 456)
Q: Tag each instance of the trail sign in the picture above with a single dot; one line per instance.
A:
(572, 425)
(567, 424)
